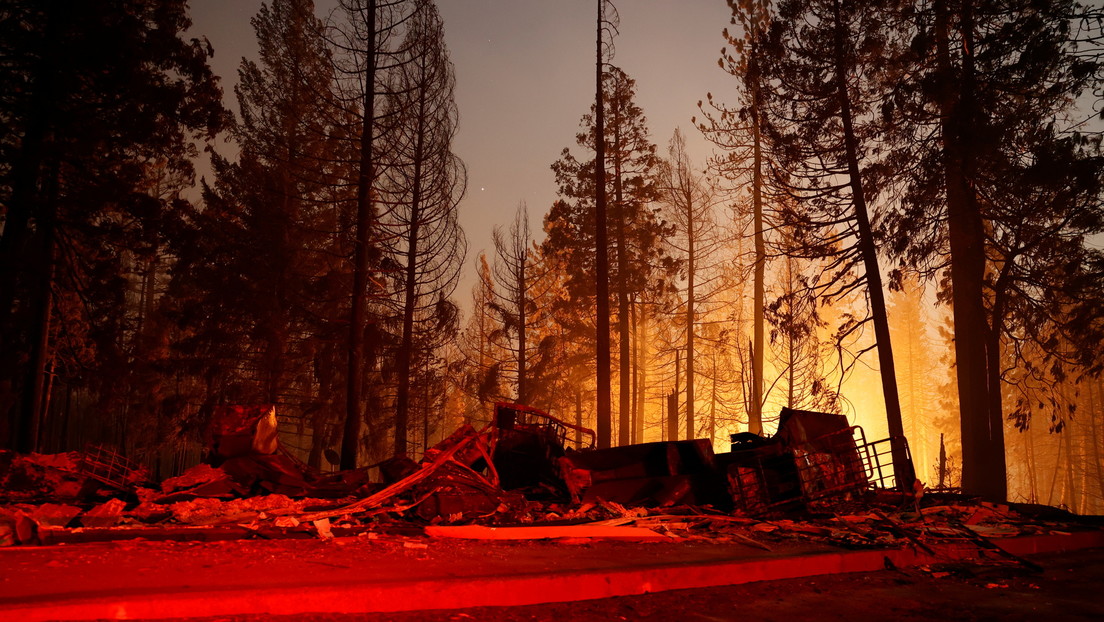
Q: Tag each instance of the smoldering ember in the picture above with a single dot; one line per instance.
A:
(768, 303)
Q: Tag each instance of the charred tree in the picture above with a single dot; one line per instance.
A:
(422, 188)
(601, 262)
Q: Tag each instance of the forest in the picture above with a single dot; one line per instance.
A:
(902, 220)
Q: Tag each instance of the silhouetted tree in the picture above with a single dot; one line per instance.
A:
(739, 132)
(481, 369)
(422, 188)
(825, 61)
(604, 23)
(638, 255)
(514, 302)
(252, 270)
(366, 45)
(96, 96)
(1002, 194)
(795, 338)
(689, 199)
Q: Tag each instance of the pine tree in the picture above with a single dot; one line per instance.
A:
(825, 60)
(368, 52)
(635, 243)
(258, 277)
(1001, 191)
(689, 199)
(422, 188)
(96, 95)
(739, 132)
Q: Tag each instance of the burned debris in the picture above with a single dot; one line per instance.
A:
(817, 476)
(525, 456)
(530, 445)
(813, 458)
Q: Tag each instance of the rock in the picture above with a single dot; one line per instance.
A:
(150, 512)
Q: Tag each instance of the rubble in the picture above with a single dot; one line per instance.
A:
(106, 514)
(195, 477)
(659, 474)
(111, 469)
(813, 457)
(16, 527)
(243, 430)
(54, 514)
(202, 480)
(218, 512)
(527, 475)
(530, 445)
(34, 478)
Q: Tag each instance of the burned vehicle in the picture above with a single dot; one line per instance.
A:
(813, 458)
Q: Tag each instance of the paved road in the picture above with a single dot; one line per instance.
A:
(152, 580)
(1070, 588)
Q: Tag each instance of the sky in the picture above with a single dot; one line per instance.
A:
(524, 78)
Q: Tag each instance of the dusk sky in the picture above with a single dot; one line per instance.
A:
(524, 78)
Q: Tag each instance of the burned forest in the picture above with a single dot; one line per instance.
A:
(395, 267)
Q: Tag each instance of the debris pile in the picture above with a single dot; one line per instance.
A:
(34, 478)
(814, 457)
(816, 479)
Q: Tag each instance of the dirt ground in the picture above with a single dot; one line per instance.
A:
(1068, 588)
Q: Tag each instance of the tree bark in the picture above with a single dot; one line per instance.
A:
(624, 341)
(1030, 465)
(522, 320)
(713, 405)
(755, 414)
(642, 365)
(604, 422)
(1094, 417)
(903, 472)
(983, 467)
(365, 223)
(402, 398)
(634, 324)
(1071, 461)
(37, 405)
(41, 315)
(25, 206)
(578, 419)
(672, 403)
(691, 431)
